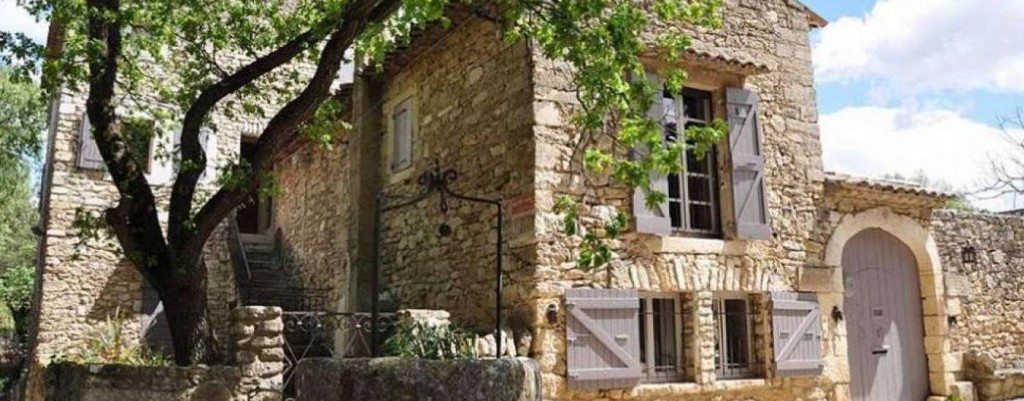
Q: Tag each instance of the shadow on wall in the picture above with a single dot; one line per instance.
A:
(121, 294)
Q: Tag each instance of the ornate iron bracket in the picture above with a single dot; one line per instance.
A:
(431, 181)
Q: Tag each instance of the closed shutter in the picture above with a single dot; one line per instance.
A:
(88, 152)
(796, 328)
(750, 203)
(401, 152)
(603, 336)
(156, 332)
(654, 220)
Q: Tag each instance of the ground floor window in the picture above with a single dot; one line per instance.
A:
(733, 337)
(661, 332)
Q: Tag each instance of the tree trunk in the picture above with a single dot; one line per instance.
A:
(188, 316)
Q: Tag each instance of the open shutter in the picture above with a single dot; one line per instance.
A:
(88, 152)
(750, 203)
(796, 328)
(401, 153)
(603, 336)
(155, 330)
(656, 220)
(208, 141)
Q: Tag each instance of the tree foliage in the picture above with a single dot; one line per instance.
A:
(180, 63)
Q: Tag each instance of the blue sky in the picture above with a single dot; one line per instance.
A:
(904, 86)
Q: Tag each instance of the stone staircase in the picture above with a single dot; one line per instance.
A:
(265, 280)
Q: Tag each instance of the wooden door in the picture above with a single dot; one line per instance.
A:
(884, 321)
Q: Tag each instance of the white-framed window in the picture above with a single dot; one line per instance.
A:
(733, 336)
(661, 337)
(402, 135)
(693, 204)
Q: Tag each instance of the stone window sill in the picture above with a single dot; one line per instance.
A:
(665, 389)
(691, 245)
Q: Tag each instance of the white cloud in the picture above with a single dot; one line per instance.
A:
(915, 45)
(16, 19)
(873, 141)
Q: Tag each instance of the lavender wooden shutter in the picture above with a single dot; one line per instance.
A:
(654, 220)
(207, 140)
(88, 152)
(750, 203)
(796, 328)
(401, 152)
(603, 337)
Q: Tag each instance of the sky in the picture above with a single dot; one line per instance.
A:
(904, 86)
(909, 85)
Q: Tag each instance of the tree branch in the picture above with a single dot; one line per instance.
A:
(135, 217)
(284, 126)
(192, 151)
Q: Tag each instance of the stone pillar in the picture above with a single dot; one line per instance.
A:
(257, 340)
(365, 180)
(705, 339)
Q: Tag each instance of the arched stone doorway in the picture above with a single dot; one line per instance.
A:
(918, 240)
(885, 333)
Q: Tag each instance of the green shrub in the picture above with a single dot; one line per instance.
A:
(16, 286)
(105, 343)
(426, 341)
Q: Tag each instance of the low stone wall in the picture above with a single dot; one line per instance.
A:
(257, 351)
(70, 382)
(384, 379)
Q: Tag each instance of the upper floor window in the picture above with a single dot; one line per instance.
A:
(402, 126)
(692, 194)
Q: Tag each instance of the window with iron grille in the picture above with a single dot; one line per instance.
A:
(661, 345)
(733, 337)
(693, 193)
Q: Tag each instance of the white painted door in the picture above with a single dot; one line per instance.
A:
(883, 319)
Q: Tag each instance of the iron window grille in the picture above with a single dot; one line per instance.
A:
(693, 193)
(733, 337)
(661, 339)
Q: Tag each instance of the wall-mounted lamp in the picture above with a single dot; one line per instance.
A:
(969, 255)
(552, 314)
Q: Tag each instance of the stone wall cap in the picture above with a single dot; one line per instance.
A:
(835, 182)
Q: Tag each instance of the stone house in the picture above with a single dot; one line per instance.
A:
(761, 277)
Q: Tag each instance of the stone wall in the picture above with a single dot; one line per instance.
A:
(312, 221)
(984, 298)
(383, 379)
(258, 355)
(763, 46)
(471, 110)
(83, 282)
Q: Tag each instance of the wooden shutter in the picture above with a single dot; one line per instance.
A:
(656, 220)
(796, 328)
(603, 337)
(88, 152)
(208, 141)
(401, 151)
(155, 330)
(750, 202)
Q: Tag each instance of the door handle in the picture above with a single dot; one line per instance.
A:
(881, 351)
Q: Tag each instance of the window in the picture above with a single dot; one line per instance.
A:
(661, 350)
(733, 354)
(402, 126)
(693, 193)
